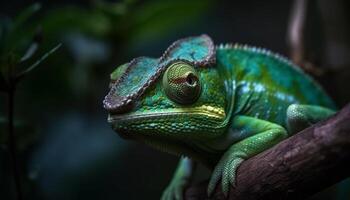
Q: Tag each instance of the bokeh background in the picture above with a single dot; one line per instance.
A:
(66, 149)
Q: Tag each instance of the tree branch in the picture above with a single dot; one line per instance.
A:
(296, 168)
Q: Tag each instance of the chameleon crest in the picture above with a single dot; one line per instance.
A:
(132, 79)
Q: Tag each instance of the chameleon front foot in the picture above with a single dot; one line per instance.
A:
(226, 171)
(264, 135)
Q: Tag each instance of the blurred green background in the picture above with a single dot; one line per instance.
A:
(66, 149)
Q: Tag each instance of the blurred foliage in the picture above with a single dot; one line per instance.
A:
(100, 34)
(124, 21)
(14, 44)
(111, 25)
(17, 48)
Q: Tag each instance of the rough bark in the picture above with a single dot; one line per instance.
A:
(296, 168)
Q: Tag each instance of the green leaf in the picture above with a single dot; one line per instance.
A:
(33, 47)
(30, 52)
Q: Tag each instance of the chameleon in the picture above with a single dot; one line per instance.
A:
(214, 105)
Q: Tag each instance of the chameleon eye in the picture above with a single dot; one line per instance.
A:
(181, 83)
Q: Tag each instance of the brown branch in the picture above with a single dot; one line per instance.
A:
(296, 168)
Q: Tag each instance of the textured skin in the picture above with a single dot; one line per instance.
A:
(250, 99)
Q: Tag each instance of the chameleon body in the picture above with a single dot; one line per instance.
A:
(218, 105)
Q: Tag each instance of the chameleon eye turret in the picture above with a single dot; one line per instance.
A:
(181, 83)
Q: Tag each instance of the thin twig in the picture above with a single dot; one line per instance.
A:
(295, 33)
(12, 141)
(296, 38)
(34, 65)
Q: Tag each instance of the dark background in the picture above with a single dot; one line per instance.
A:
(66, 149)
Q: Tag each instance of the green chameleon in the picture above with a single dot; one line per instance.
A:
(218, 105)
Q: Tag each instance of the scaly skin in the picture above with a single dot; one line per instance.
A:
(219, 106)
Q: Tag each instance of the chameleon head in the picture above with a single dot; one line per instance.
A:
(179, 95)
(182, 102)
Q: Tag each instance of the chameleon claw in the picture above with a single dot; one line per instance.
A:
(232, 173)
(213, 181)
(225, 182)
(226, 170)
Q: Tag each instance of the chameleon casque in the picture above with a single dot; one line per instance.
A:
(218, 105)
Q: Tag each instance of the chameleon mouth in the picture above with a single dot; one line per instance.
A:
(170, 124)
(208, 111)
